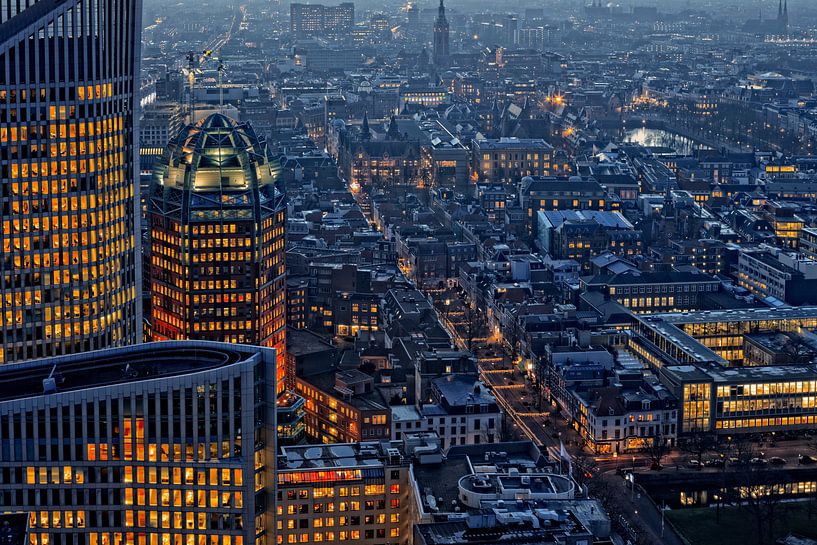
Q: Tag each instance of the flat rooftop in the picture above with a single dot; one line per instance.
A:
(740, 375)
(513, 143)
(116, 366)
(366, 454)
(739, 315)
(688, 344)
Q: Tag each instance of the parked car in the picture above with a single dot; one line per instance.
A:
(777, 461)
(715, 462)
(736, 462)
(758, 461)
(805, 459)
(694, 464)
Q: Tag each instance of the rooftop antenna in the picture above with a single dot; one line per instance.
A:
(221, 70)
(191, 81)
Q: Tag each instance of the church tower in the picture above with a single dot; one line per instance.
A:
(441, 31)
(783, 17)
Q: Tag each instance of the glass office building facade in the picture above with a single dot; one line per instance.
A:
(68, 262)
(217, 239)
(155, 444)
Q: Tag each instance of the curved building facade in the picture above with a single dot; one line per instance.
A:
(217, 221)
(153, 444)
(69, 72)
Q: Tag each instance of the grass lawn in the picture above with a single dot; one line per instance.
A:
(736, 526)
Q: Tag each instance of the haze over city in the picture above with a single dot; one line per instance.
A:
(415, 272)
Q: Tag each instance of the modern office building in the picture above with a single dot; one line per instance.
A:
(743, 400)
(788, 277)
(709, 362)
(155, 444)
(217, 239)
(69, 265)
(320, 20)
(719, 335)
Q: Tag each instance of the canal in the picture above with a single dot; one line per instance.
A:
(660, 138)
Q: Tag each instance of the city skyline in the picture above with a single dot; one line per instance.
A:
(408, 272)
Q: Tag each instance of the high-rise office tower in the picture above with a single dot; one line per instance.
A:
(441, 31)
(69, 271)
(216, 219)
(217, 271)
(155, 444)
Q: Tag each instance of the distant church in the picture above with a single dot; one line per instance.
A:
(441, 38)
(778, 27)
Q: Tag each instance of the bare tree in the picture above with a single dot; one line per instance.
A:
(762, 497)
(657, 449)
(473, 325)
(698, 444)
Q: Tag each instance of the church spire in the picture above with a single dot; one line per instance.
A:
(394, 131)
(441, 38)
(366, 133)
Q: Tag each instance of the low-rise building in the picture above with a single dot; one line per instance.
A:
(726, 401)
(463, 412)
(507, 160)
(360, 492)
(654, 292)
(785, 277)
(343, 407)
(616, 419)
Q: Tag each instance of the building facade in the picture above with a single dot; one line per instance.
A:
(69, 262)
(356, 492)
(217, 239)
(321, 20)
(157, 444)
(343, 407)
(507, 160)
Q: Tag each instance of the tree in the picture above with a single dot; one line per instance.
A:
(472, 322)
(698, 444)
(762, 496)
(657, 449)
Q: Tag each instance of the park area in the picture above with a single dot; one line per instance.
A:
(737, 525)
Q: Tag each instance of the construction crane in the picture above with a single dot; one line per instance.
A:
(194, 64)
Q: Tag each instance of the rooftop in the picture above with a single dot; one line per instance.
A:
(116, 366)
(613, 220)
(739, 375)
(739, 315)
(513, 143)
(682, 340)
(367, 454)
